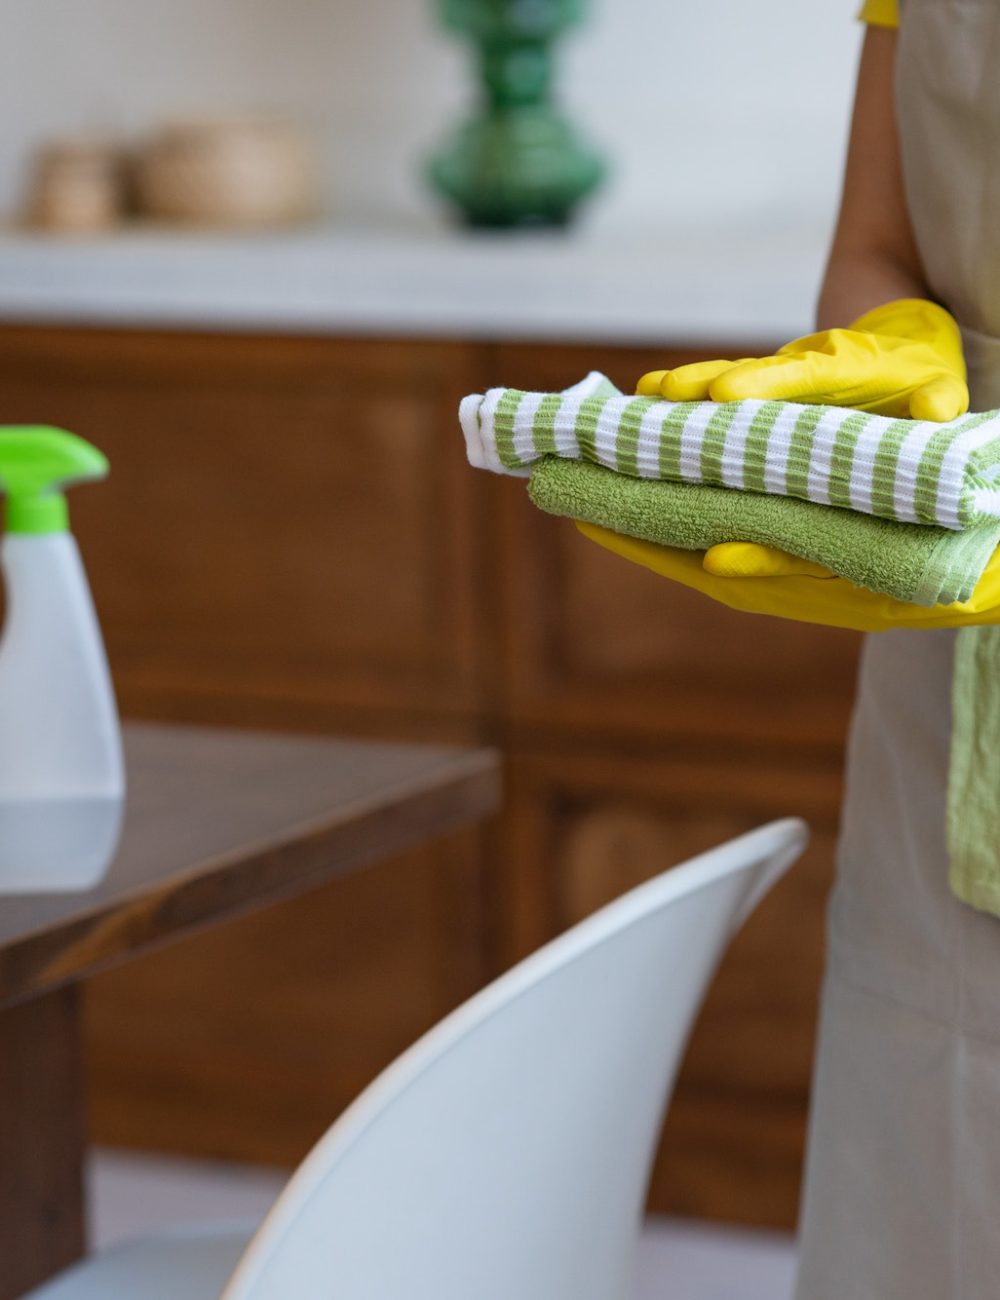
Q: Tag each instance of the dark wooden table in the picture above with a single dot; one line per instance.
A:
(218, 822)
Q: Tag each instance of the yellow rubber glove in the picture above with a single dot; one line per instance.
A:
(904, 359)
(796, 589)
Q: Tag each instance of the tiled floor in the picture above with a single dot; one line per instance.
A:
(131, 1195)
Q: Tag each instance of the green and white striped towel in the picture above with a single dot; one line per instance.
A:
(912, 471)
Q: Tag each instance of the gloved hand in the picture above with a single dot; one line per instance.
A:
(903, 359)
(786, 587)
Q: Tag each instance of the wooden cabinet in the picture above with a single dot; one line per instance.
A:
(245, 1043)
(288, 528)
(291, 538)
(589, 824)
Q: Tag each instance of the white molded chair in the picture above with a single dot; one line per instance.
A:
(505, 1156)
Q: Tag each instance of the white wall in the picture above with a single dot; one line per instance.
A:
(706, 105)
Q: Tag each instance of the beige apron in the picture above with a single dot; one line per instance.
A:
(902, 1195)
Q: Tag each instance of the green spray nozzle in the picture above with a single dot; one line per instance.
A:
(36, 463)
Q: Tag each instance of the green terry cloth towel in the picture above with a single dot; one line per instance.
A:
(912, 562)
(974, 779)
(911, 471)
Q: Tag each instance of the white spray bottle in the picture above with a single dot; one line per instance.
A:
(62, 781)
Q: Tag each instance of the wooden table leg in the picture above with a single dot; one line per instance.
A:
(42, 1139)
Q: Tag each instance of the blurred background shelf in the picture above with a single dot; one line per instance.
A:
(649, 284)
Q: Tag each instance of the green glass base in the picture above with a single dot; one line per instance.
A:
(516, 166)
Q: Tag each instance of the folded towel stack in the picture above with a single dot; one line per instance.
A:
(912, 562)
(903, 507)
(908, 508)
(913, 471)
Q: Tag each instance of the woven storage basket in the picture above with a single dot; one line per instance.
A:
(228, 172)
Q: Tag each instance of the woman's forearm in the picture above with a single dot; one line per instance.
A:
(874, 257)
(856, 283)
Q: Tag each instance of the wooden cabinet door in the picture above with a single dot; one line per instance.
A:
(288, 538)
(287, 535)
(598, 646)
(246, 1042)
(582, 828)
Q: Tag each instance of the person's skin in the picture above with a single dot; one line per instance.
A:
(873, 258)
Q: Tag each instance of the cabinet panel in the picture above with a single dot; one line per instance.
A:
(247, 1041)
(596, 644)
(286, 520)
(553, 366)
(582, 829)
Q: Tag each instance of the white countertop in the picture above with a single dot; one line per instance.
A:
(749, 282)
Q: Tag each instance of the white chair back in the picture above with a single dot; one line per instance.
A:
(506, 1155)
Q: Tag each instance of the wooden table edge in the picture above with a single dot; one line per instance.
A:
(411, 813)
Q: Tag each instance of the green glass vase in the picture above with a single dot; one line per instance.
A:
(517, 161)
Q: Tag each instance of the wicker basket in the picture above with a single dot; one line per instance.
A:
(77, 187)
(241, 171)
